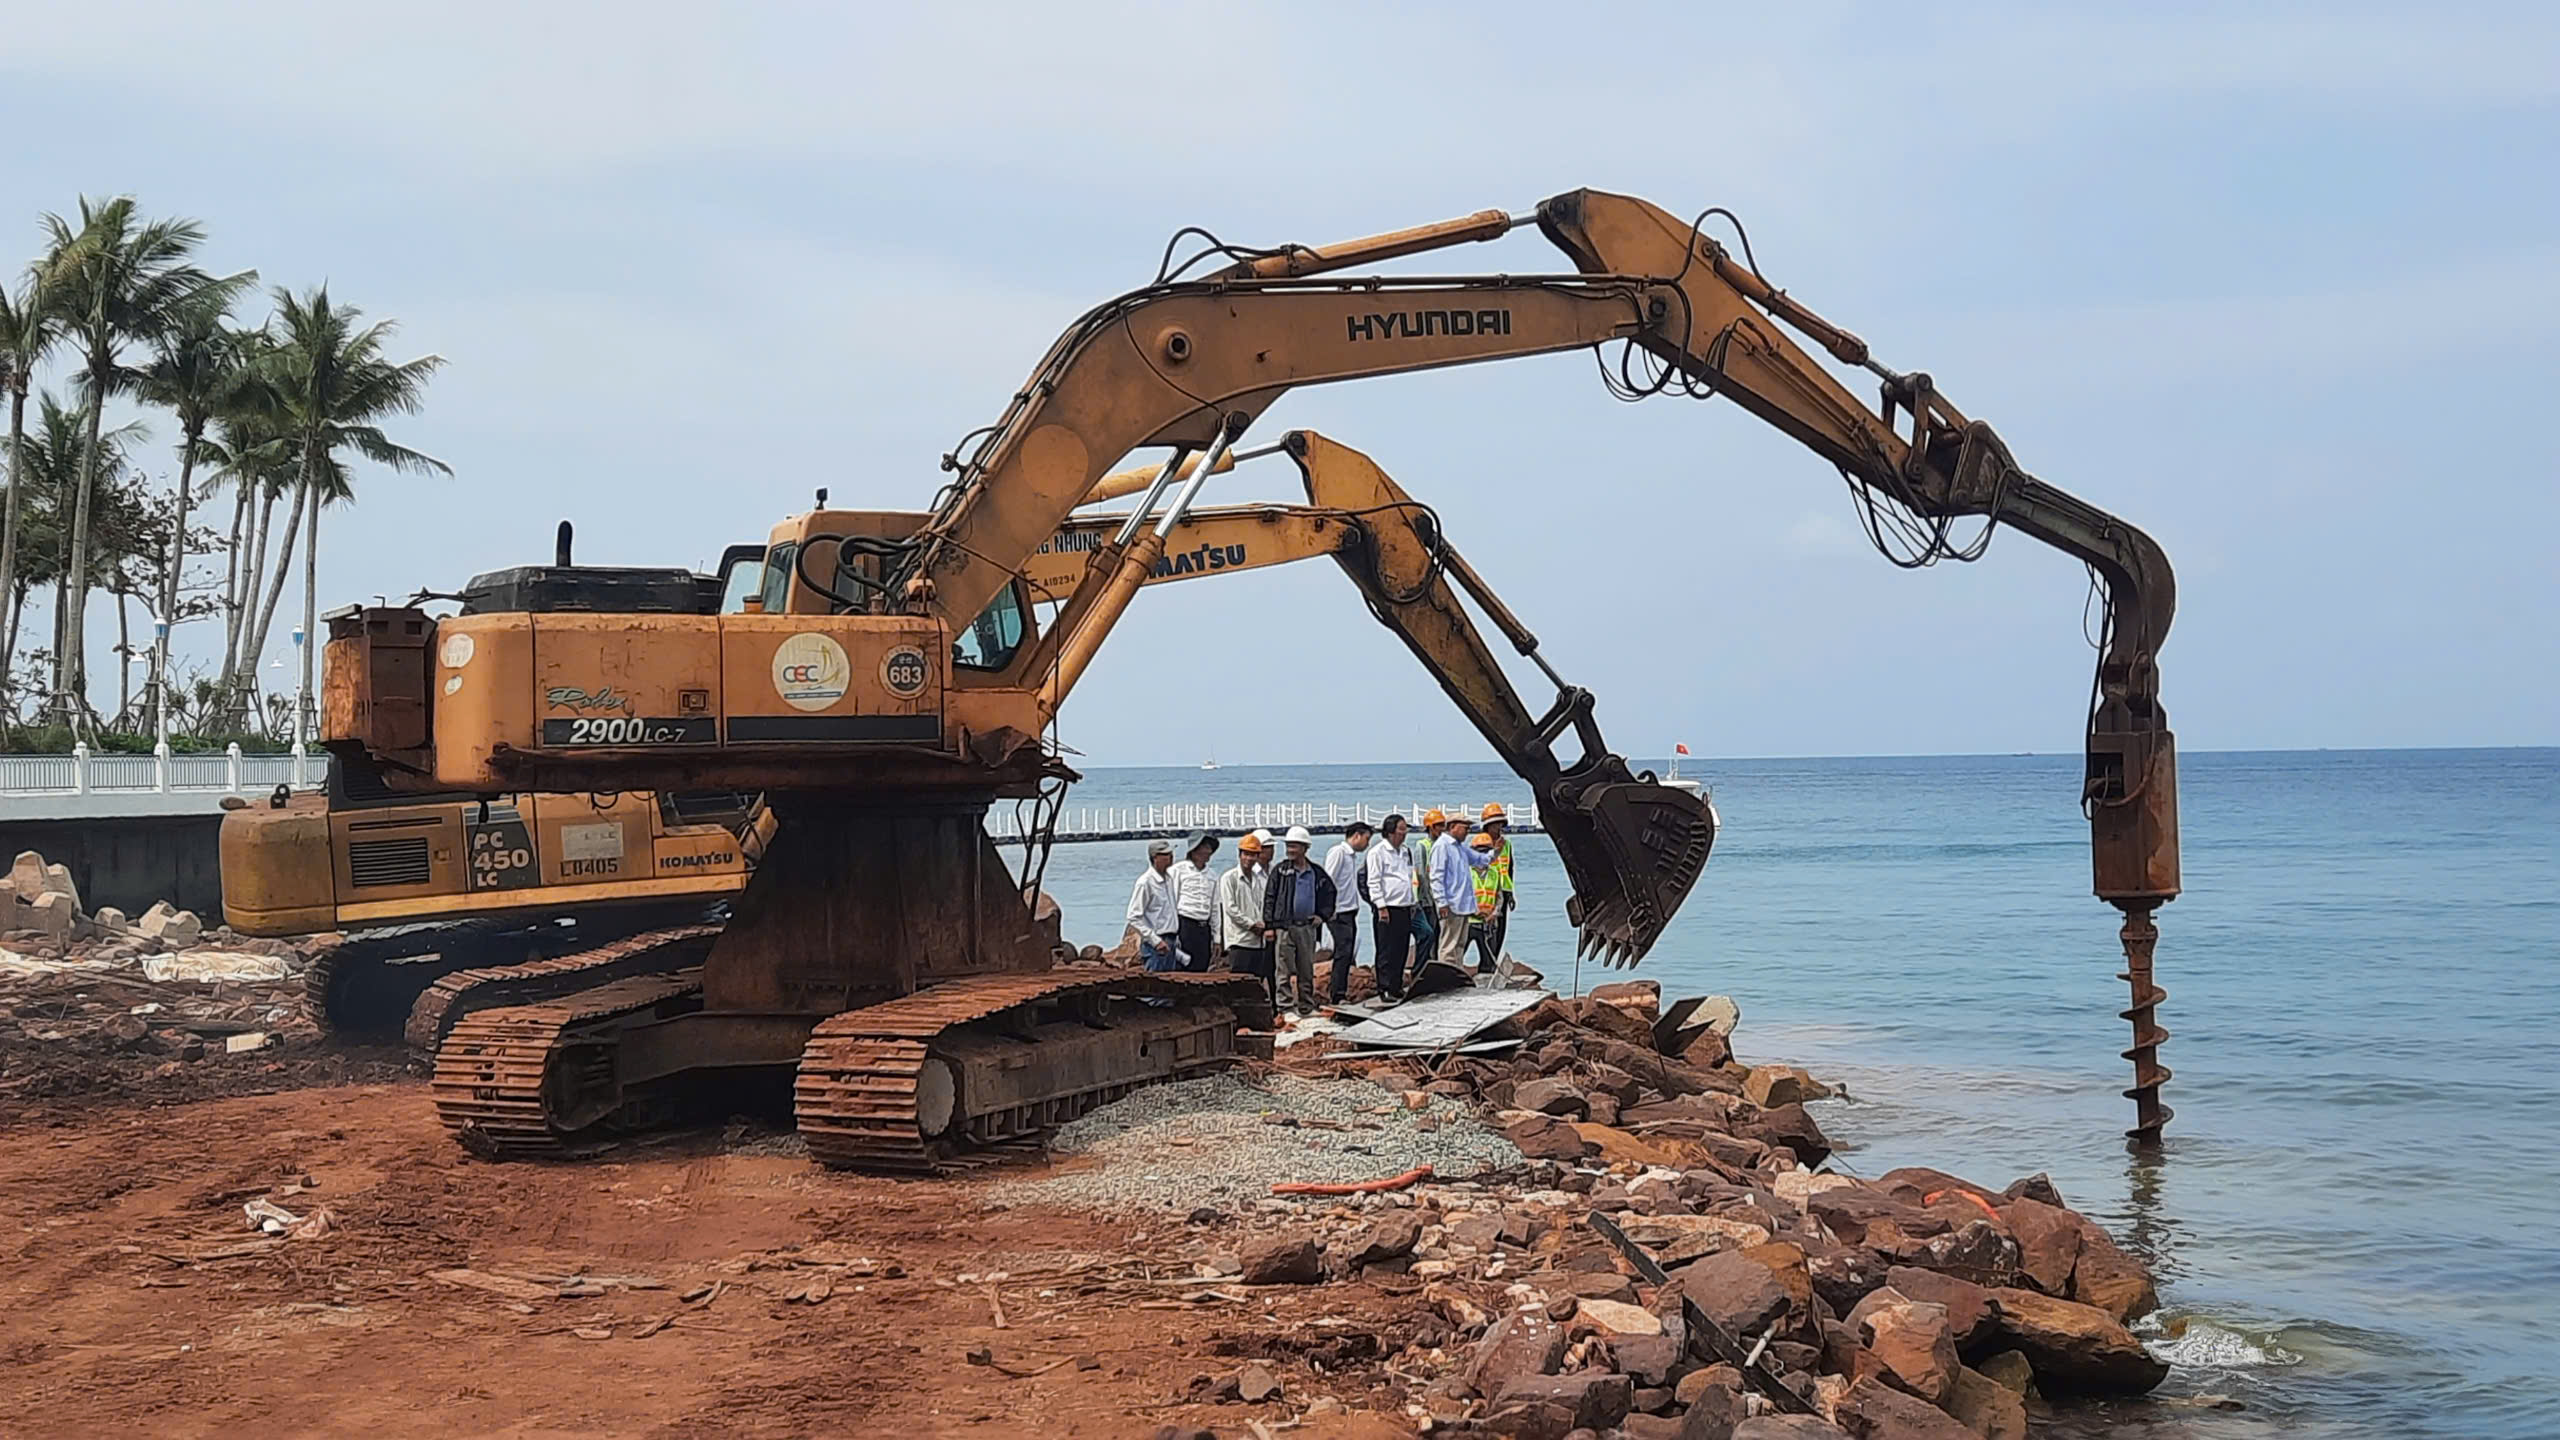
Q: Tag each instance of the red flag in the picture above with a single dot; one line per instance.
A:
(1679, 749)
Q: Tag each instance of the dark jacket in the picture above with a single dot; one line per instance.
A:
(1276, 900)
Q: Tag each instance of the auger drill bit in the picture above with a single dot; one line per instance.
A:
(2140, 936)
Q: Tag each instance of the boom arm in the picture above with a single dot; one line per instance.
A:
(1632, 849)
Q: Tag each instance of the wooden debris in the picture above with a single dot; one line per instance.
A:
(507, 1286)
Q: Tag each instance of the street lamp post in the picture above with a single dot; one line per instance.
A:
(301, 698)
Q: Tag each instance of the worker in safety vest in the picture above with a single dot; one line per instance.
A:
(1494, 896)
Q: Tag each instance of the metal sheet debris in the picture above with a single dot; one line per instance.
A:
(1442, 1021)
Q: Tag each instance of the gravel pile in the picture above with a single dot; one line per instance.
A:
(1215, 1142)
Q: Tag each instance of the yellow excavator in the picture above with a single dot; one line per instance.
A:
(892, 679)
(427, 887)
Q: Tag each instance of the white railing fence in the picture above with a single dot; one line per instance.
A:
(162, 773)
(1230, 820)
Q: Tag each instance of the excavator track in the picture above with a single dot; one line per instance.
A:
(520, 1082)
(450, 1000)
(877, 1087)
(368, 983)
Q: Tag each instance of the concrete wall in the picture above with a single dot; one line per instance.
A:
(129, 861)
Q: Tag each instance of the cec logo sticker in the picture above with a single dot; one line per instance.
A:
(809, 671)
(456, 651)
(903, 671)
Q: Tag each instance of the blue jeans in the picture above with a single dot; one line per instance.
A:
(1159, 955)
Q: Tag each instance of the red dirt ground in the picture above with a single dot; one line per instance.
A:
(120, 1315)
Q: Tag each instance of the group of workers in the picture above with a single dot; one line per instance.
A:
(1433, 894)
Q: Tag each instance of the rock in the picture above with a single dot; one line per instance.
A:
(1970, 1310)
(110, 920)
(1917, 1184)
(1650, 1427)
(1284, 1260)
(2038, 1187)
(1734, 1151)
(128, 1032)
(58, 881)
(1462, 1313)
(1648, 1360)
(1786, 1427)
(1544, 1137)
(2010, 1369)
(1678, 1239)
(1649, 1400)
(2074, 1346)
(1718, 1013)
(1643, 997)
(1977, 1252)
(1845, 1275)
(2110, 1279)
(1882, 1298)
(1848, 1211)
(1602, 1285)
(1596, 1399)
(1736, 1292)
(1987, 1407)
(1479, 1232)
(2048, 1244)
(1775, 1085)
(51, 916)
(170, 927)
(1550, 1096)
(1798, 1185)
(1716, 1408)
(1621, 1319)
(1914, 1342)
(1520, 1344)
(1697, 1382)
(1390, 1239)
(1710, 1051)
(1872, 1410)
(1531, 1420)
(1519, 1228)
(1785, 1260)
(26, 875)
(1255, 1384)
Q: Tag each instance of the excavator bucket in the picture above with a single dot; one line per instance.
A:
(1632, 847)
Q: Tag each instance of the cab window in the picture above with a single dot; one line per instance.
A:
(778, 564)
(991, 639)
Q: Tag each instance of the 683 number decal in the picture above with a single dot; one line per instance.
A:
(630, 730)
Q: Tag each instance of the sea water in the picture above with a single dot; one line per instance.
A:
(2356, 1219)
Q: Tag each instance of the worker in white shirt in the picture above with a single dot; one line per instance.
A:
(1240, 892)
(1386, 878)
(1342, 866)
(1196, 902)
(1154, 908)
(1453, 889)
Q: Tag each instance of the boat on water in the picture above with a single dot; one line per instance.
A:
(1677, 781)
(1209, 764)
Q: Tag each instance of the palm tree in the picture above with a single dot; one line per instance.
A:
(246, 452)
(117, 280)
(330, 385)
(196, 372)
(50, 461)
(29, 325)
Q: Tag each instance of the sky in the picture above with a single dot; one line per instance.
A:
(2279, 284)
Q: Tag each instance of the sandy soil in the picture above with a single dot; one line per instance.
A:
(134, 1299)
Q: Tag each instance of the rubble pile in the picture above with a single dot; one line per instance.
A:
(97, 1004)
(1913, 1305)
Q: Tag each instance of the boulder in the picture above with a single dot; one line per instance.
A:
(2048, 1244)
(2075, 1347)
(1920, 1185)
(1846, 1274)
(51, 915)
(1601, 1285)
(1735, 1291)
(1596, 1399)
(2038, 1186)
(1882, 1298)
(1544, 1137)
(1914, 1342)
(1873, 1410)
(1718, 1013)
(1786, 1427)
(176, 929)
(1971, 1313)
(1617, 1147)
(1786, 1125)
(1679, 1239)
(1284, 1260)
(26, 876)
(1531, 1420)
(1715, 1408)
(1987, 1407)
(1391, 1238)
(1616, 1083)
(1618, 1318)
(1256, 1383)
(1697, 1382)
(1520, 1344)
(1734, 1152)
(58, 881)
(1550, 1096)
(1848, 1211)
(1604, 1108)
(1773, 1085)
(1708, 1052)
(1648, 1360)
(2110, 1279)
(1480, 1231)
(1797, 1186)
(1978, 1252)
(1650, 1427)
(2010, 1370)
(1643, 997)
(110, 920)
(1785, 1260)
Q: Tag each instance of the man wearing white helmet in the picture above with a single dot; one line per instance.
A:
(1295, 909)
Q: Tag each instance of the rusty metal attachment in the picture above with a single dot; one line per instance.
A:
(2140, 936)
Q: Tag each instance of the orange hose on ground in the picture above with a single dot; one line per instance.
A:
(1414, 1176)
